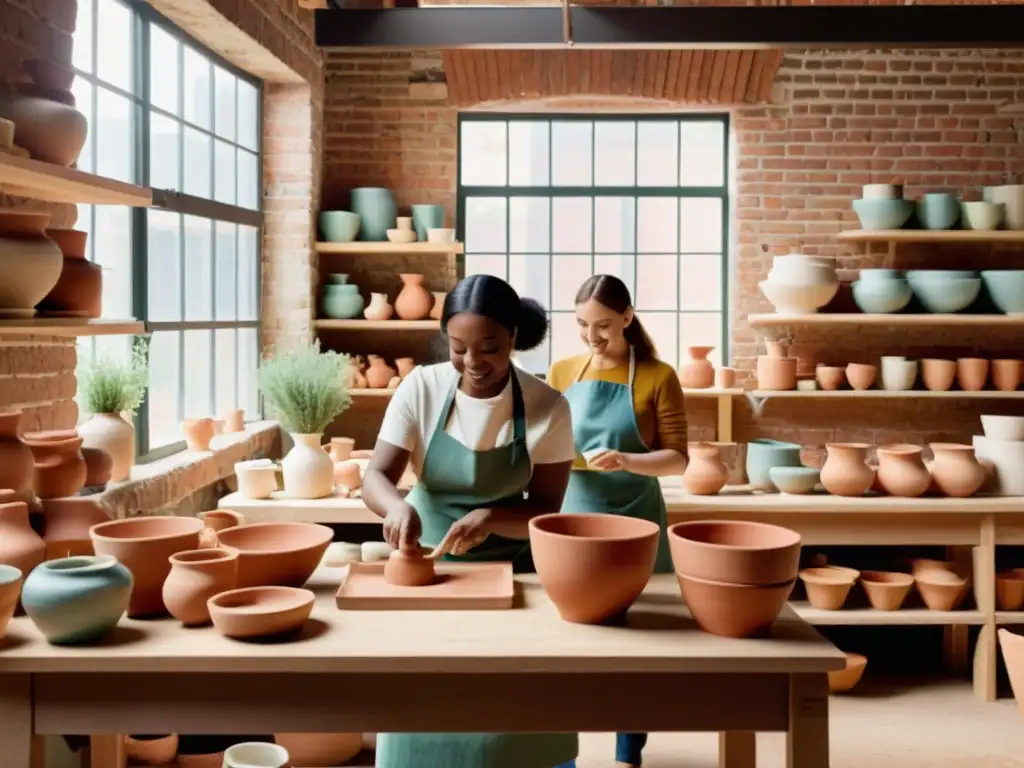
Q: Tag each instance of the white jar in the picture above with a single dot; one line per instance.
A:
(308, 469)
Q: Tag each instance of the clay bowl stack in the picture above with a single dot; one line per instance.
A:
(735, 576)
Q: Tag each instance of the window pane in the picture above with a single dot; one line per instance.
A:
(83, 92)
(198, 268)
(487, 264)
(83, 43)
(615, 224)
(568, 273)
(248, 116)
(164, 152)
(248, 180)
(198, 160)
(565, 335)
(615, 154)
(572, 153)
(248, 361)
(529, 153)
(114, 134)
(115, 45)
(248, 272)
(225, 371)
(112, 250)
(486, 224)
(700, 281)
(656, 281)
(529, 229)
(701, 329)
(225, 103)
(199, 381)
(661, 327)
(702, 163)
(197, 87)
(530, 275)
(164, 264)
(658, 225)
(225, 174)
(573, 226)
(657, 147)
(484, 155)
(164, 388)
(226, 272)
(622, 266)
(700, 224)
(163, 71)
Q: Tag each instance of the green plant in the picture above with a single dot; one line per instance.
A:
(306, 388)
(108, 385)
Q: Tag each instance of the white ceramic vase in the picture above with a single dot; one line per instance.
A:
(256, 754)
(1012, 198)
(799, 284)
(308, 469)
(114, 436)
(1006, 458)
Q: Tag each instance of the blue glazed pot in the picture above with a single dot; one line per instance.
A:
(342, 301)
(339, 226)
(77, 599)
(1006, 289)
(377, 212)
(426, 217)
(938, 210)
(762, 455)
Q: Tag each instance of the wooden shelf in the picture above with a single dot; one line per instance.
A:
(882, 394)
(713, 392)
(890, 321)
(1009, 617)
(24, 177)
(382, 393)
(367, 248)
(377, 325)
(869, 617)
(61, 326)
(931, 236)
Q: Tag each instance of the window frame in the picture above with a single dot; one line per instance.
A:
(175, 201)
(507, 191)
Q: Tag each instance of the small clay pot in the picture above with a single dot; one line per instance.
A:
(409, 569)
(151, 750)
(1007, 374)
(955, 469)
(378, 308)
(196, 576)
(938, 375)
(725, 378)
(827, 588)
(1010, 589)
(234, 420)
(846, 471)
(348, 474)
(379, 373)
(842, 680)
(198, 433)
(221, 519)
(829, 377)
(971, 373)
(404, 366)
(341, 448)
(79, 290)
(861, 375)
(66, 524)
(314, 750)
(706, 474)
(697, 373)
(901, 471)
(940, 590)
(886, 590)
(438, 308)
(775, 372)
(414, 301)
(98, 467)
(58, 464)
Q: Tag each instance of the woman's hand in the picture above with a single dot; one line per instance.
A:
(402, 527)
(612, 461)
(466, 533)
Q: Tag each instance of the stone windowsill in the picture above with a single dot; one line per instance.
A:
(166, 482)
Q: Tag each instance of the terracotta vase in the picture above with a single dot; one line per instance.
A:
(414, 301)
(1007, 374)
(48, 125)
(16, 462)
(697, 373)
(379, 373)
(198, 433)
(58, 464)
(955, 469)
(725, 378)
(378, 308)
(20, 545)
(98, 467)
(234, 420)
(79, 290)
(861, 375)
(114, 436)
(405, 366)
(776, 371)
(341, 448)
(706, 474)
(901, 471)
(195, 577)
(308, 470)
(438, 308)
(829, 377)
(66, 524)
(971, 373)
(30, 262)
(938, 375)
(846, 471)
(315, 750)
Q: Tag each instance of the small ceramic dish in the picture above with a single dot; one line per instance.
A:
(401, 235)
(255, 612)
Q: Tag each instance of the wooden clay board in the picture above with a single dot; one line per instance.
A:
(460, 586)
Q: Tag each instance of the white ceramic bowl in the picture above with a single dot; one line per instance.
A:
(882, 191)
(798, 269)
(982, 215)
(441, 235)
(1003, 428)
(898, 375)
(402, 235)
(797, 299)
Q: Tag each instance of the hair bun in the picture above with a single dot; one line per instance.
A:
(532, 328)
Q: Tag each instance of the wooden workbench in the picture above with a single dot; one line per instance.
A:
(518, 670)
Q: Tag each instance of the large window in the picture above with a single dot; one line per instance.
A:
(166, 113)
(546, 201)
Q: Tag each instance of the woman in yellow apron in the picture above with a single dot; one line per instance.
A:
(480, 434)
(628, 421)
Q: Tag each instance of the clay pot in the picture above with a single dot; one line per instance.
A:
(706, 474)
(886, 590)
(1012, 647)
(971, 373)
(257, 478)
(413, 301)
(283, 554)
(258, 612)
(314, 750)
(198, 433)
(405, 366)
(697, 373)
(234, 420)
(901, 471)
(29, 261)
(20, 545)
(940, 590)
(221, 519)
(58, 464)
(16, 463)
(593, 566)
(151, 750)
(114, 436)
(842, 680)
(829, 377)
(79, 289)
(10, 591)
(827, 588)
(66, 524)
(725, 378)
(1010, 589)
(1007, 374)
(438, 308)
(48, 125)
(195, 577)
(209, 760)
(938, 375)
(348, 475)
(955, 469)
(379, 373)
(98, 467)
(776, 370)
(846, 471)
(409, 569)
(394, 382)
(733, 610)
(378, 308)
(341, 448)
(735, 552)
(861, 375)
(145, 545)
(308, 471)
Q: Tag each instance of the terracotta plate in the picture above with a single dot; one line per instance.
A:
(460, 586)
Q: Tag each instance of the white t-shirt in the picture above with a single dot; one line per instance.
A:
(479, 424)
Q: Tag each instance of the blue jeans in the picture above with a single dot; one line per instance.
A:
(628, 749)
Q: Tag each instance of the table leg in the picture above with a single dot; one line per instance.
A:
(107, 750)
(16, 720)
(807, 739)
(737, 749)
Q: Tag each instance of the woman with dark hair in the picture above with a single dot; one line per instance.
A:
(629, 425)
(492, 447)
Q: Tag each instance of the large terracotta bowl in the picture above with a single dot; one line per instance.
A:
(734, 610)
(593, 566)
(735, 551)
(276, 554)
(256, 612)
(144, 545)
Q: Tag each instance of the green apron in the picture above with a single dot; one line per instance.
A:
(455, 480)
(603, 417)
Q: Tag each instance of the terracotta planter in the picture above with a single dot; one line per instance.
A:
(735, 552)
(840, 681)
(314, 750)
(234, 421)
(413, 301)
(1010, 589)
(308, 470)
(58, 464)
(955, 469)
(16, 463)
(79, 290)
(938, 375)
(725, 378)
(593, 566)
(1007, 374)
(733, 610)
(971, 373)
(110, 433)
(198, 433)
(886, 590)
(20, 545)
(151, 750)
(1012, 647)
(829, 377)
(901, 471)
(405, 366)
(776, 371)
(282, 554)
(30, 262)
(861, 376)
(66, 524)
(341, 448)
(145, 545)
(706, 474)
(846, 471)
(827, 588)
(379, 373)
(941, 590)
(378, 308)
(697, 373)
(10, 591)
(195, 577)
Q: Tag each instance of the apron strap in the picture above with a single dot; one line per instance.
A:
(632, 368)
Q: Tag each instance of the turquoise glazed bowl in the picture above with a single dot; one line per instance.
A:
(938, 210)
(339, 226)
(945, 295)
(1006, 288)
(77, 599)
(762, 455)
(377, 212)
(881, 297)
(795, 479)
(426, 217)
(879, 213)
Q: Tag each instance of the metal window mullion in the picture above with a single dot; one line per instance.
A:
(551, 231)
(181, 310)
(141, 63)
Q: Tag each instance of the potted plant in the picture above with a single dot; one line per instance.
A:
(109, 388)
(306, 389)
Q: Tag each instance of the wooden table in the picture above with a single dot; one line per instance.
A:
(520, 670)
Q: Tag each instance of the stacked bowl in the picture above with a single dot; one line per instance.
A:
(799, 284)
(1006, 289)
(1001, 448)
(882, 206)
(735, 576)
(944, 290)
(881, 291)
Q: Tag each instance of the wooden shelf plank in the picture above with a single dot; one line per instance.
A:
(377, 325)
(869, 617)
(384, 393)
(1010, 617)
(931, 236)
(61, 326)
(367, 248)
(25, 177)
(882, 394)
(891, 321)
(713, 392)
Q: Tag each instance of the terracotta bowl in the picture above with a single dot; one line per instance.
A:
(940, 590)
(260, 611)
(842, 680)
(1010, 589)
(735, 552)
(144, 545)
(733, 610)
(828, 587)
(276, 554)
(886, 590)
(593, 566)
(312, 750)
